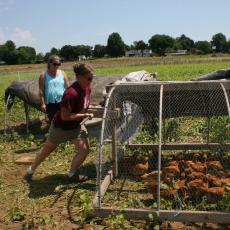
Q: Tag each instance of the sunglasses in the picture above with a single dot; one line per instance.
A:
(56, 64)
(89, 78)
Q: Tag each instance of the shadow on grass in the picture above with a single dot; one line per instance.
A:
(49, 185)
(35, 128)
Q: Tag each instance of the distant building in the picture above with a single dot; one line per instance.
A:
(82, 58)
(138, 53)
(176, 52)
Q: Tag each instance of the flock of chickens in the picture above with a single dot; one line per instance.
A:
(195, 177)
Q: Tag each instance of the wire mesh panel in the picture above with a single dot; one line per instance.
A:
(168, 147)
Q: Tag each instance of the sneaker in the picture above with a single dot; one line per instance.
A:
(77, 178)
(28, 177)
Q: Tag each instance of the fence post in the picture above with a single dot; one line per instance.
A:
(159, 149)
(114, 144)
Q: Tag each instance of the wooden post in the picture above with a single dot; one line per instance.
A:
(165, 215)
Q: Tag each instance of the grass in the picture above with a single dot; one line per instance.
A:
(50, 203)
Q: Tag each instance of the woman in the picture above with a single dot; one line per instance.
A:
(52, 84)
(66, 124)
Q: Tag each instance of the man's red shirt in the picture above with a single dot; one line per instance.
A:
(75, 100)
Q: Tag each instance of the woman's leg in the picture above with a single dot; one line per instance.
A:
(51, 109)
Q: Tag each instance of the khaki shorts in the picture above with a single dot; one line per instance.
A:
(58, 135)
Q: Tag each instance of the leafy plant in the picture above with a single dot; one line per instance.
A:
(118, 222)
(16, 214)
(83, 206)
(171, 130)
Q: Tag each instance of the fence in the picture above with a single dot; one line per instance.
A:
(164, 152)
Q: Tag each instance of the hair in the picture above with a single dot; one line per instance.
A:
(53, 58)
(83, 69)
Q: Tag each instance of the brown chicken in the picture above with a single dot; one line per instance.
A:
(148, 177)
(188, 171)
(227, 173)
(185, 164)
(215, 194)
(213, 181)
(199, 167)
(168, 193)
(171, 170)
(214, 165)
(196, 158)
(197, 187)
(165, 191)
(182, 188)
(195, 175)
(172, 163)
(140, 169)
(226, 181)
(167, 177)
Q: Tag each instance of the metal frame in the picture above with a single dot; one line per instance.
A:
(173, 215)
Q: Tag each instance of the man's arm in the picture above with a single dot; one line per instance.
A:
(66, 115)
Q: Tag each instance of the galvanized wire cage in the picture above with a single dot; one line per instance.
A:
(165, 149)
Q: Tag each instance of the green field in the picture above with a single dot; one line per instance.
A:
(48, 202)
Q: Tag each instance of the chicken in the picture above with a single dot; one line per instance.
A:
(172, 163)
(148, 177)
(195, 175)
(225, 181)
(184, 164)
(140, 168)
(188, 171)
(171, 169)
(214, 165)
(199, 167)
(152, 187)
(197, 187)
(168, 193)
(213, 181)
(182, 188)
(221, 174)
(227, 173)
(183, 175)
(204, 158)
(167, 177)
(165, 191)
(196, 158)
(215, 194)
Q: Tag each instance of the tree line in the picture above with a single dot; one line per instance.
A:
(116, 47)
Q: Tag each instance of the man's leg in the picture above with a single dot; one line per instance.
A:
(43, 153)
(40, 157)
(82, 150)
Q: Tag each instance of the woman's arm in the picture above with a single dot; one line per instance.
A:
(41, 92)
(66, 79)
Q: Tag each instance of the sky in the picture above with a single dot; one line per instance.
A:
(44, 24)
